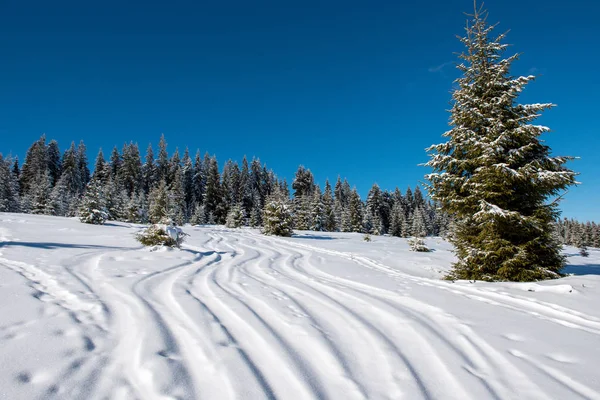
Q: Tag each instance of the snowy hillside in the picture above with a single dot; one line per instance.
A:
(86, 313)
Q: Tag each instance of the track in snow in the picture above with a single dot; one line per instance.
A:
(235, 314)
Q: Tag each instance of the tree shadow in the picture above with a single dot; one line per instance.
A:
(314, 237)
(51, 246)
(586, 269)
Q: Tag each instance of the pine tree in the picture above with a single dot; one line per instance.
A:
(115, 163)
(187, 176)
(212, 194)
(34, 168)
(317, 210)
(277, 217)
(54, 162)
(130, 172)
(374, 211)
(199, 216)
(9, 187)
(494, 175)
(418, 227)
(39, 195)
(355, 212)
(398, 220)
(159, 203)
(137, 208)
(235, 217)
(162, 164)
(198, 181)
(101, 169)
(177, 207)
(82, 166)
(329, 223)
(149, 170)
(93, 205)
(116, 200)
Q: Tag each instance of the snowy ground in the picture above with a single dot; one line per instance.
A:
(86, 313)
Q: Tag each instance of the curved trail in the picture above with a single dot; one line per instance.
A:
(238, 315)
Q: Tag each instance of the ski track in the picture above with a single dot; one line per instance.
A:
(242, 315)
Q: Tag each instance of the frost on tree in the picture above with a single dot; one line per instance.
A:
(277, 218)
(235, 217)
(93, 205)
(494, 175)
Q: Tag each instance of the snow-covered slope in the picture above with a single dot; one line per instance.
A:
(86, 313)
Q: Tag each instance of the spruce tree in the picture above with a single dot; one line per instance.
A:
(92, 209)
(149, 171)
(162, 164)
(355, 212)
(494, 175)
(159, 203)
(277, 217)
(329, 222)
(9, 187)
(235, 217)
(54, 162)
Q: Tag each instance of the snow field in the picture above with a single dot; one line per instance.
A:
(88, 313)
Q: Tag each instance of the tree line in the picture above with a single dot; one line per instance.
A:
(196, 191)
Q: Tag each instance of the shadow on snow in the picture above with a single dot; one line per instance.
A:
(50, 245)
(586, 269)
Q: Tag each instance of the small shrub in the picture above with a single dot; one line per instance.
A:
(96, 217)
(418, 244)
(583, 251)
(367, 238)
(162, 235)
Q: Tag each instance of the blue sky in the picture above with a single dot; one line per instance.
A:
(350, 88)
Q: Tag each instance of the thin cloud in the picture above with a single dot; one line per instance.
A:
(440, 67)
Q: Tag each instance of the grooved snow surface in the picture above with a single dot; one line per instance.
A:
(86, 313)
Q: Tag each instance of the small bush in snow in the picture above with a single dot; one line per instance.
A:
(162, 234)
(418, 244)
(367, 238)
(583, 251)
(277, 218)
(235, 217)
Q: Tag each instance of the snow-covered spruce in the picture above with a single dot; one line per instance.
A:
(93, 205)
(164, 233)
(235, 217)
(277, 218)
(494, 175)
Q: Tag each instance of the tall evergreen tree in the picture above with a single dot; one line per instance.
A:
(212, 195)
(162, 163)
(355, 212)
(159, 203)
(187, 176)
(149, 170)
(494, 175)
(92, 209)
(82, 166)
(198, 180)
(115, 163)
(130, 172)
(54, 162)
(329, 222)
(9, 187)
(35, 166)
(101, 169)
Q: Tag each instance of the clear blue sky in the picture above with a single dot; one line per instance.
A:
(352, 88)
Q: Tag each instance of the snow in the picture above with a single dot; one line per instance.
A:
(86, 312)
